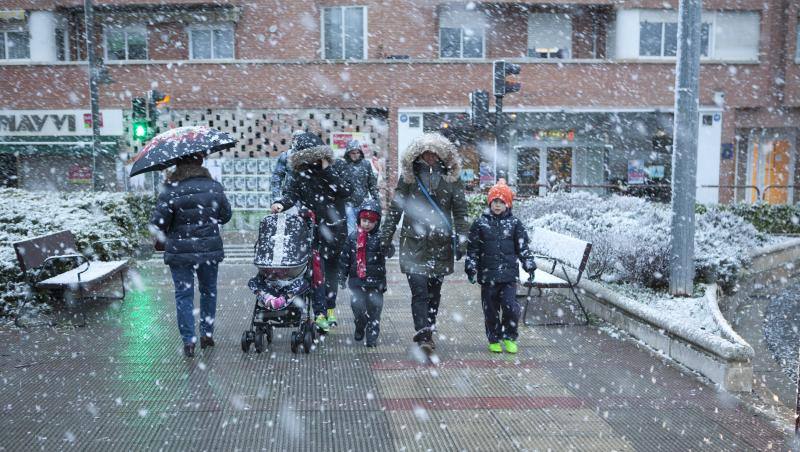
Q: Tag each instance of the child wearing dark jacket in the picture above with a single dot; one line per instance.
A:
(496, 240)
(362, 265)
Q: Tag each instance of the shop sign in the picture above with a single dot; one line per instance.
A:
(636, 172)
(339, 142)
(58, 123)
(79, 174)
(554, 134)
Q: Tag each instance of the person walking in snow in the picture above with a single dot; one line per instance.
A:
(496, 240)
(281, 173)
(319, 184)
(188, 213)
(362, 266)
(362, 178)
(430, 198)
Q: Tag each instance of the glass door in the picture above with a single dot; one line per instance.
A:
(528, 171)
(770, 167)
(559, 168)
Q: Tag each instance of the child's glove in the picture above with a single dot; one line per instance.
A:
(529, 266)
(388, 251)
(471, 277)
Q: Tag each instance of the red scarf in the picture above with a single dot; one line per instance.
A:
(361, 253)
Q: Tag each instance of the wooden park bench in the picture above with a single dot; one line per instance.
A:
(38, 256)
(568, 255)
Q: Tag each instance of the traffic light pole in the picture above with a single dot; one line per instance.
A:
(684, 151)
(500, 155)
(94, 96)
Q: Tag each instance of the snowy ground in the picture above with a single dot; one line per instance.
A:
(782, 328)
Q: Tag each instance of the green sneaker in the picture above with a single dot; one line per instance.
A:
(332, 318)
(322, 323)
(511, 346)
(495, 347)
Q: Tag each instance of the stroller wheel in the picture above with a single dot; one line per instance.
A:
(245, 341)
(259, 341)
(269, 334)
(308, 340)
(295, 342)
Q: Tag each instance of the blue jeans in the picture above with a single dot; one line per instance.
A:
(183, 277)
(500, 311)
(350, 212)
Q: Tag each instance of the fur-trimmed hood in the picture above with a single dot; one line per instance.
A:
(301, 159)
(439, 145)
(183, 172)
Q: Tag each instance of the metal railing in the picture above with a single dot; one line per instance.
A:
(736, 187)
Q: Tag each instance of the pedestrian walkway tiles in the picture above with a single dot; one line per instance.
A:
(121, 383)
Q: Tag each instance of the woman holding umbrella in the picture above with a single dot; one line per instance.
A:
(189, 211)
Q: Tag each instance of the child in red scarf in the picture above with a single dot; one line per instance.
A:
(363, 266)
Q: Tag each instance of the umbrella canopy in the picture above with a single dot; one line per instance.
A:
(167, 148)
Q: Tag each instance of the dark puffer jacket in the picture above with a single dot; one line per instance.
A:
(376, 261)
(189, 211)
(362, 179)
(324, 191)
(495, 244)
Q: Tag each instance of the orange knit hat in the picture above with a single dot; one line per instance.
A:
(502, 191)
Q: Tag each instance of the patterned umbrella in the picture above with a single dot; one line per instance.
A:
(167, 148)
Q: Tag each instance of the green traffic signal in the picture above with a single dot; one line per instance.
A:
(140, 130)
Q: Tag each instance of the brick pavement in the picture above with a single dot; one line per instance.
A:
(122, 383)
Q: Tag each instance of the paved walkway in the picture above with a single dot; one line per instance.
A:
(122, 384)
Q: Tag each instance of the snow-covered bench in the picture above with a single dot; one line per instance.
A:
(568, 256)
(37, 256)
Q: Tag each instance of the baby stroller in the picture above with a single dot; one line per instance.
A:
(284, 257)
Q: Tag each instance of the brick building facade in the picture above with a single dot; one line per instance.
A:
(595, 106)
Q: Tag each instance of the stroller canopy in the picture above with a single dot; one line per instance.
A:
(284, 241)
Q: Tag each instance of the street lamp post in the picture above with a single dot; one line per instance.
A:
(88, 10)
(684, 151)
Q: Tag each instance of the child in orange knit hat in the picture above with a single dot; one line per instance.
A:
(496, 240)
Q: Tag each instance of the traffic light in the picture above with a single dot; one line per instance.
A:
(505, 80)
(479, 108)
(155, 100)
(139, 124)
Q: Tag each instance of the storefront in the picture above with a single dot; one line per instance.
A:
(52, 150)
(598, 151)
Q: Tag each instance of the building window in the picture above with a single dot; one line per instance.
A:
(549, 35)
(460, 42)
(126, 43)
(209, 43)
(462, 34)
(62, 43)
(660, 39)
(14, 45)
(344, 33)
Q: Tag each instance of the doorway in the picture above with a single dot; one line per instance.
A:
(559, 168)
(770, 167)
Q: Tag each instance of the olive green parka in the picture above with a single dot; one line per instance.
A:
(426, 243)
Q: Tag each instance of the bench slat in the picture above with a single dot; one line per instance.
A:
(97, 272)
(542, 278)
(562, 247)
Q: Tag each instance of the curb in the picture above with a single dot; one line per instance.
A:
(727, 360)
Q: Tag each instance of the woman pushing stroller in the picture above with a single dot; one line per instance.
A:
(320, 186)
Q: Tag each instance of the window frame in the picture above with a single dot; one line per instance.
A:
(663, 23)
(211, 27)
(461, 43)
(13, 29)
(126, 29)
(553, 55)
(364, 32)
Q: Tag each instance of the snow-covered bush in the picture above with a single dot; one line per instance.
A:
(92, 217)
(631, 236)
